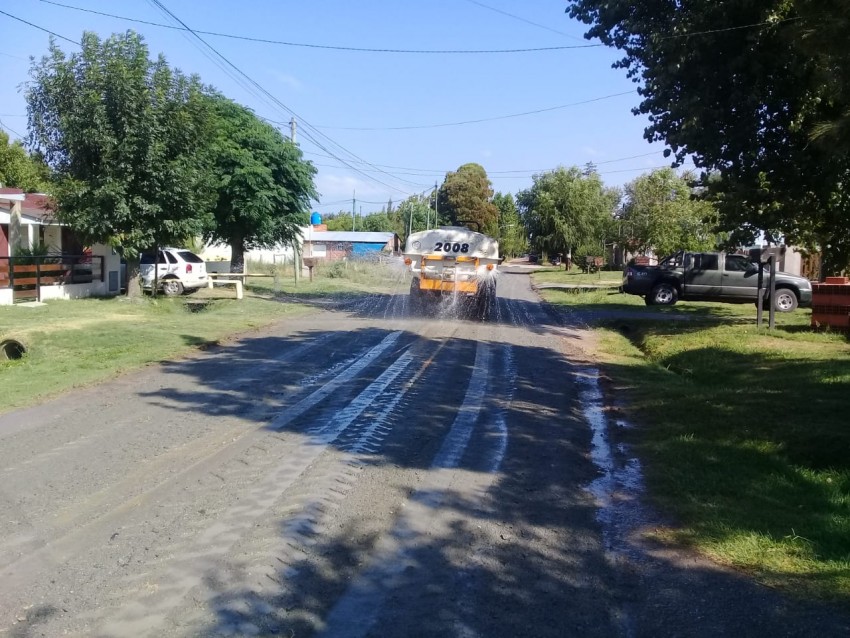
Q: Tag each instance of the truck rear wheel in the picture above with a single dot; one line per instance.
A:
(663, 294)
(415, 298)
(485, 300)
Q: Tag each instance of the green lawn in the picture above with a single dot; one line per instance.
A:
(76, 343)
(336, 279)
(558, 275)
(744, 434)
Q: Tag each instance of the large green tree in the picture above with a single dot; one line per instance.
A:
(568, 211)
(661, 214)
(466, 196)
(263, 186)
(414, 214)
(121, 134)
(757, 93)
(512, 238)
(19, 169)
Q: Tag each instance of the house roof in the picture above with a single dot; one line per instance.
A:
(350, 236)
(11, 194)
(35, 207)
(39, 206)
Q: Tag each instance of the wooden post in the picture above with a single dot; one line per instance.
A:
(15, 234)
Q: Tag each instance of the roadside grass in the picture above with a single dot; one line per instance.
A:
(340, 279)
(558, 275)
(75, 343)
(607, 301)
(744, 434)
(72, 344)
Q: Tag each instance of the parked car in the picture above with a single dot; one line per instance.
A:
(712, 277)
(179, 271)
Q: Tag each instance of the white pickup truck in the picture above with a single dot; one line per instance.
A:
(453, 261)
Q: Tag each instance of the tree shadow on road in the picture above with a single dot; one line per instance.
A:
(526, 557)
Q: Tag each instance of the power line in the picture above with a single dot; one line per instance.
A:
(622, 170)
(35, 26)
(11, 130)
(252, 86)
(521, 19)
(276, 101)
(478, 121)
(242, 83)
(9, 55)
(323, 46)
(528, 171)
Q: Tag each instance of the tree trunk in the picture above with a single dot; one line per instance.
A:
(134, 285)
(237, 254)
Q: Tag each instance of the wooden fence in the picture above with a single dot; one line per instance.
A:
(27, 275)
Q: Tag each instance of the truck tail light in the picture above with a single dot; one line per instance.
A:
(188, 268)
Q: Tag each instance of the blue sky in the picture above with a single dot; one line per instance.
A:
(361, 106)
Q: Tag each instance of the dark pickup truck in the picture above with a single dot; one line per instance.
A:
(712, 277)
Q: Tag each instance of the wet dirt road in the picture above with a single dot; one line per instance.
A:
(357, 472)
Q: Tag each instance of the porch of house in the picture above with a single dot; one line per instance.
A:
(68, 271)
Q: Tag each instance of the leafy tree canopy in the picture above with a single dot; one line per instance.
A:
(18, 169)
(120, 133)
(512, 239)
(661, 215)
(465, 196)
(262, 185)
(758, 94)
(567, 211)
(414, 214)
(338, 221)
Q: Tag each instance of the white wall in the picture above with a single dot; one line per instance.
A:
(74, 291)
(222, 252)
(53, 238)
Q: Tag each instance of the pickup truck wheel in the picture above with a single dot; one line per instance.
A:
(664, 295)
(784, 300)
(172, 287)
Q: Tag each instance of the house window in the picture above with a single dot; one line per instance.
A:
(319, 250)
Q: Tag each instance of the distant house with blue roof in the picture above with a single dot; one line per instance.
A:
(317, 242)
(334, 245)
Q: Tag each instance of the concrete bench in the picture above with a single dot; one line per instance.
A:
(226, 279)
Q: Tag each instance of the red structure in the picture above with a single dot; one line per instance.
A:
(831, 303)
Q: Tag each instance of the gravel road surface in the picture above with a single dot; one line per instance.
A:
(357, 472)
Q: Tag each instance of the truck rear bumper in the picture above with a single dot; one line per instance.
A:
(437, 285)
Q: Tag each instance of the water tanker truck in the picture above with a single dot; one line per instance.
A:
(452, 261)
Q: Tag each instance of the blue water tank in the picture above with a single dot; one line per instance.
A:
(315, 219)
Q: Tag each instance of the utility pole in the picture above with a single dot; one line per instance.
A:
(353, 207)
(292, 127)
(436, 204)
